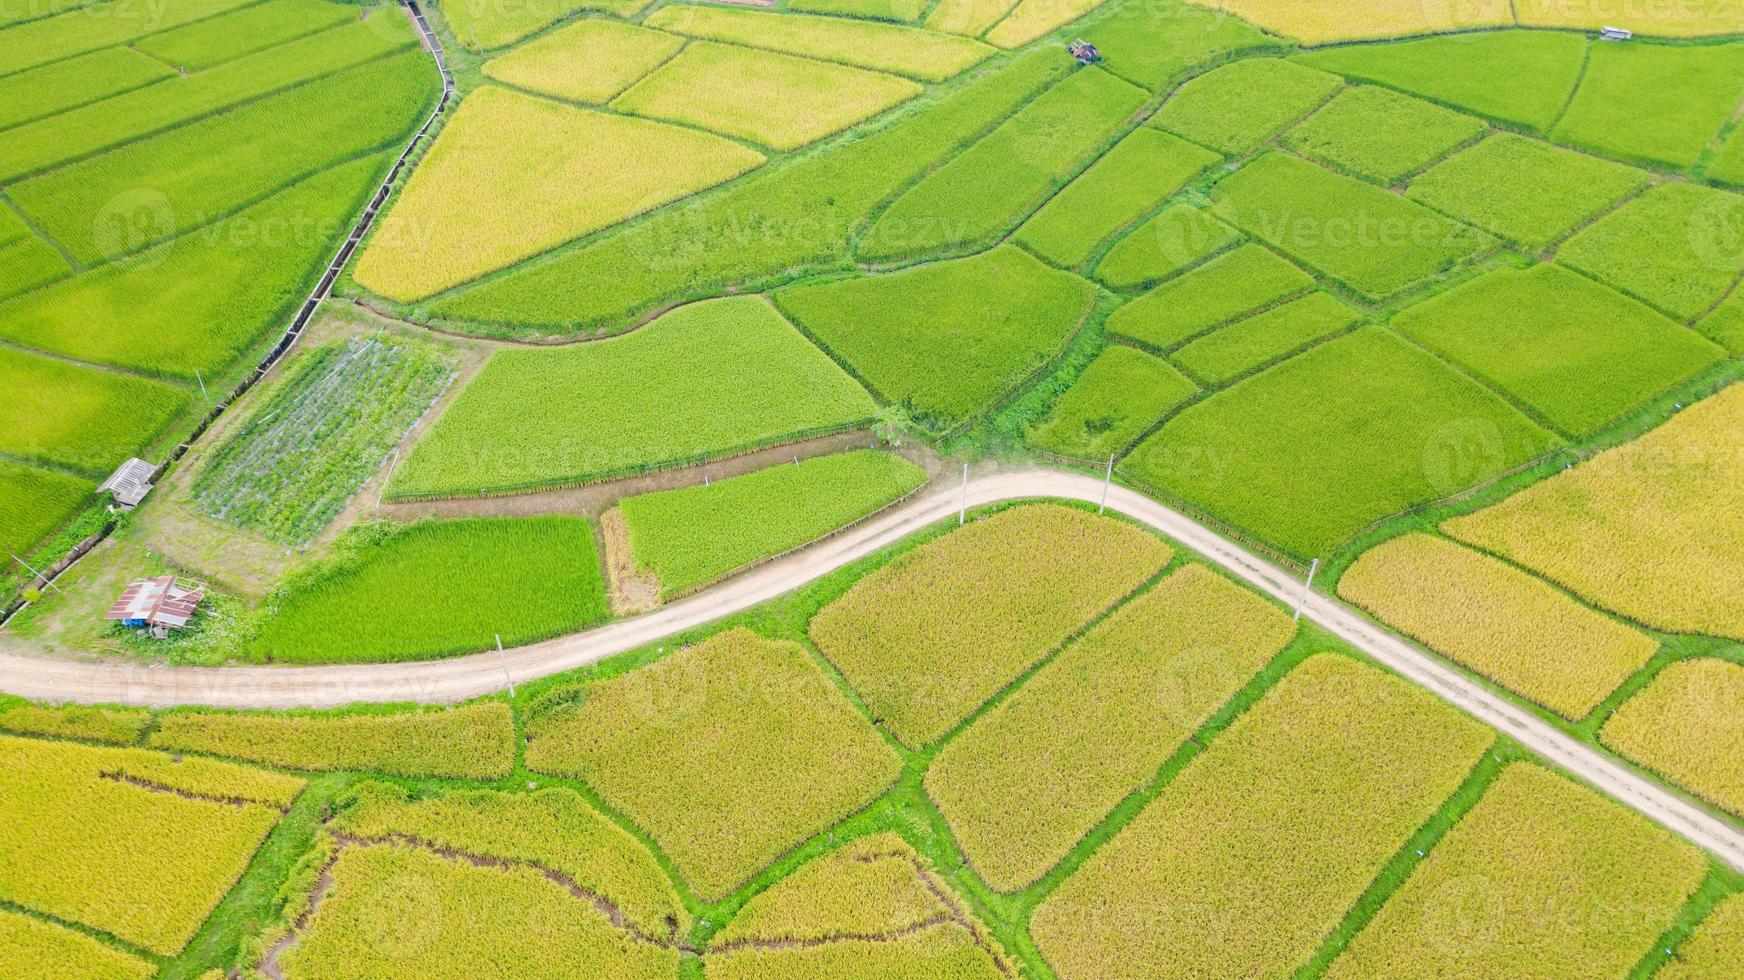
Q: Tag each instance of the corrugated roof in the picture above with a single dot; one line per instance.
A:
(158, 601)
(130, 482)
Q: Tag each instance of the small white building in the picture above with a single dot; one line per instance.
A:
(130, 482)
(1617, 34)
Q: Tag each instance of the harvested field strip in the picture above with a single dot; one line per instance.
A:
(324, 431)
(1119, 396)
(1547, 872)
(762, 750)
(1308, 793)
(32, 947)
(53, 89)
(80, 132)
(693, 536)
(1498, 621)
(1228, 287)
(903, 635)
(1222, 109)
(76, 32)
(614, 54)
(34, 502)
(79, 416)
(1648, 529)
(1689, 726)
(460, 187)
(918, 54)
(245, 31)
(707, 380)
(473, 741)
(987, 188)
(196, 174)
(1024, 784)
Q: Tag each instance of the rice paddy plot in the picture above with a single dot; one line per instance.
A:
(12, 227)
(79, 416)
(63, 85)
(1007, 315)
(111, 726)
(707, 380)
(28, 263)
(35, 947)
(1244, 345)
(1715, 950)
(1725, 326)
(901, 11)
(1164, 245)
(1649, 529)
(970, 18)
(1223, 289)
(983, 191)
(1524, 190)
(1676, 246)
(1308, 794)
(1310, 452)
(124, 840)
(472, 741)
(1372, 241)
(486, 25)
(1028, 780)
(327, 427)
(1688, 725)
(923, 55)
(1235, 108)
(1702, 19)
(199, 302)
(1576, 352)
(1030, 19)
(932, 635)
(194, 175)
(1323, 21)
(1656, 103)
(496, 187)
(1522, 77)
(40, 41)
(34, 502)
(693, 536)
(760, 753)
(1117, 398)
(1499, 621)
(1727, 166)
(591, 60)
(1140, 172)
(438, 589)
(1541, 871)
(777, 100)
(218, 39)
(1381, 135)
(1156, 43)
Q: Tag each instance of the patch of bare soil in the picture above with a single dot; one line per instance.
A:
(632, 591)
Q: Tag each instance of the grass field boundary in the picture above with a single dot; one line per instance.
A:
(108, 939)
(1720, 884)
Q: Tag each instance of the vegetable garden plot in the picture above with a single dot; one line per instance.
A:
(759, 752)
(112, 726)
(1688, 725)
(60, 86)
(922, 55)
(795, 214)
(871, 908)
(194, 175)
(1380, 135)
(245, 31)
(1005, 315)
(1715, 950)
(706, 380)
(975, 197)
(1498, 621)
(1521, 77)
(1163, 246)
(28, 263)
(929, 637)
(777, 100)
(1374, 242)
(692, 536)
(1028, 780)
(473, 741)
(1526, 191)
(124, 840)
(591, 60)
(1578, 353)
(1117, 398)
(1310, 452)
(39, 42)
(34, 947)
(1320, 21)
(1541, 871)
(79, 416)
(326, 429)
(485, 25)
(1234, 350)
(199, 302)
(1675, 246)
(1259, 846)
(498, 186)
(439, 589)
(1235, 108)
(34, 502)
(1649, 529)
(1229, 286)
(1652, 102)
(1659, 20)
(88, 129)
(1140, 172)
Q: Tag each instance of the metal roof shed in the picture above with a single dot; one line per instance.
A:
(156, 602)
(130, 482)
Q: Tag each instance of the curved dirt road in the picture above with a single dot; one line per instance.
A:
(466, 677)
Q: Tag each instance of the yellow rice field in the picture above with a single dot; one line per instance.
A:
(1688, 725)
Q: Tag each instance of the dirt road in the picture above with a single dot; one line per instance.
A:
(454, 680)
